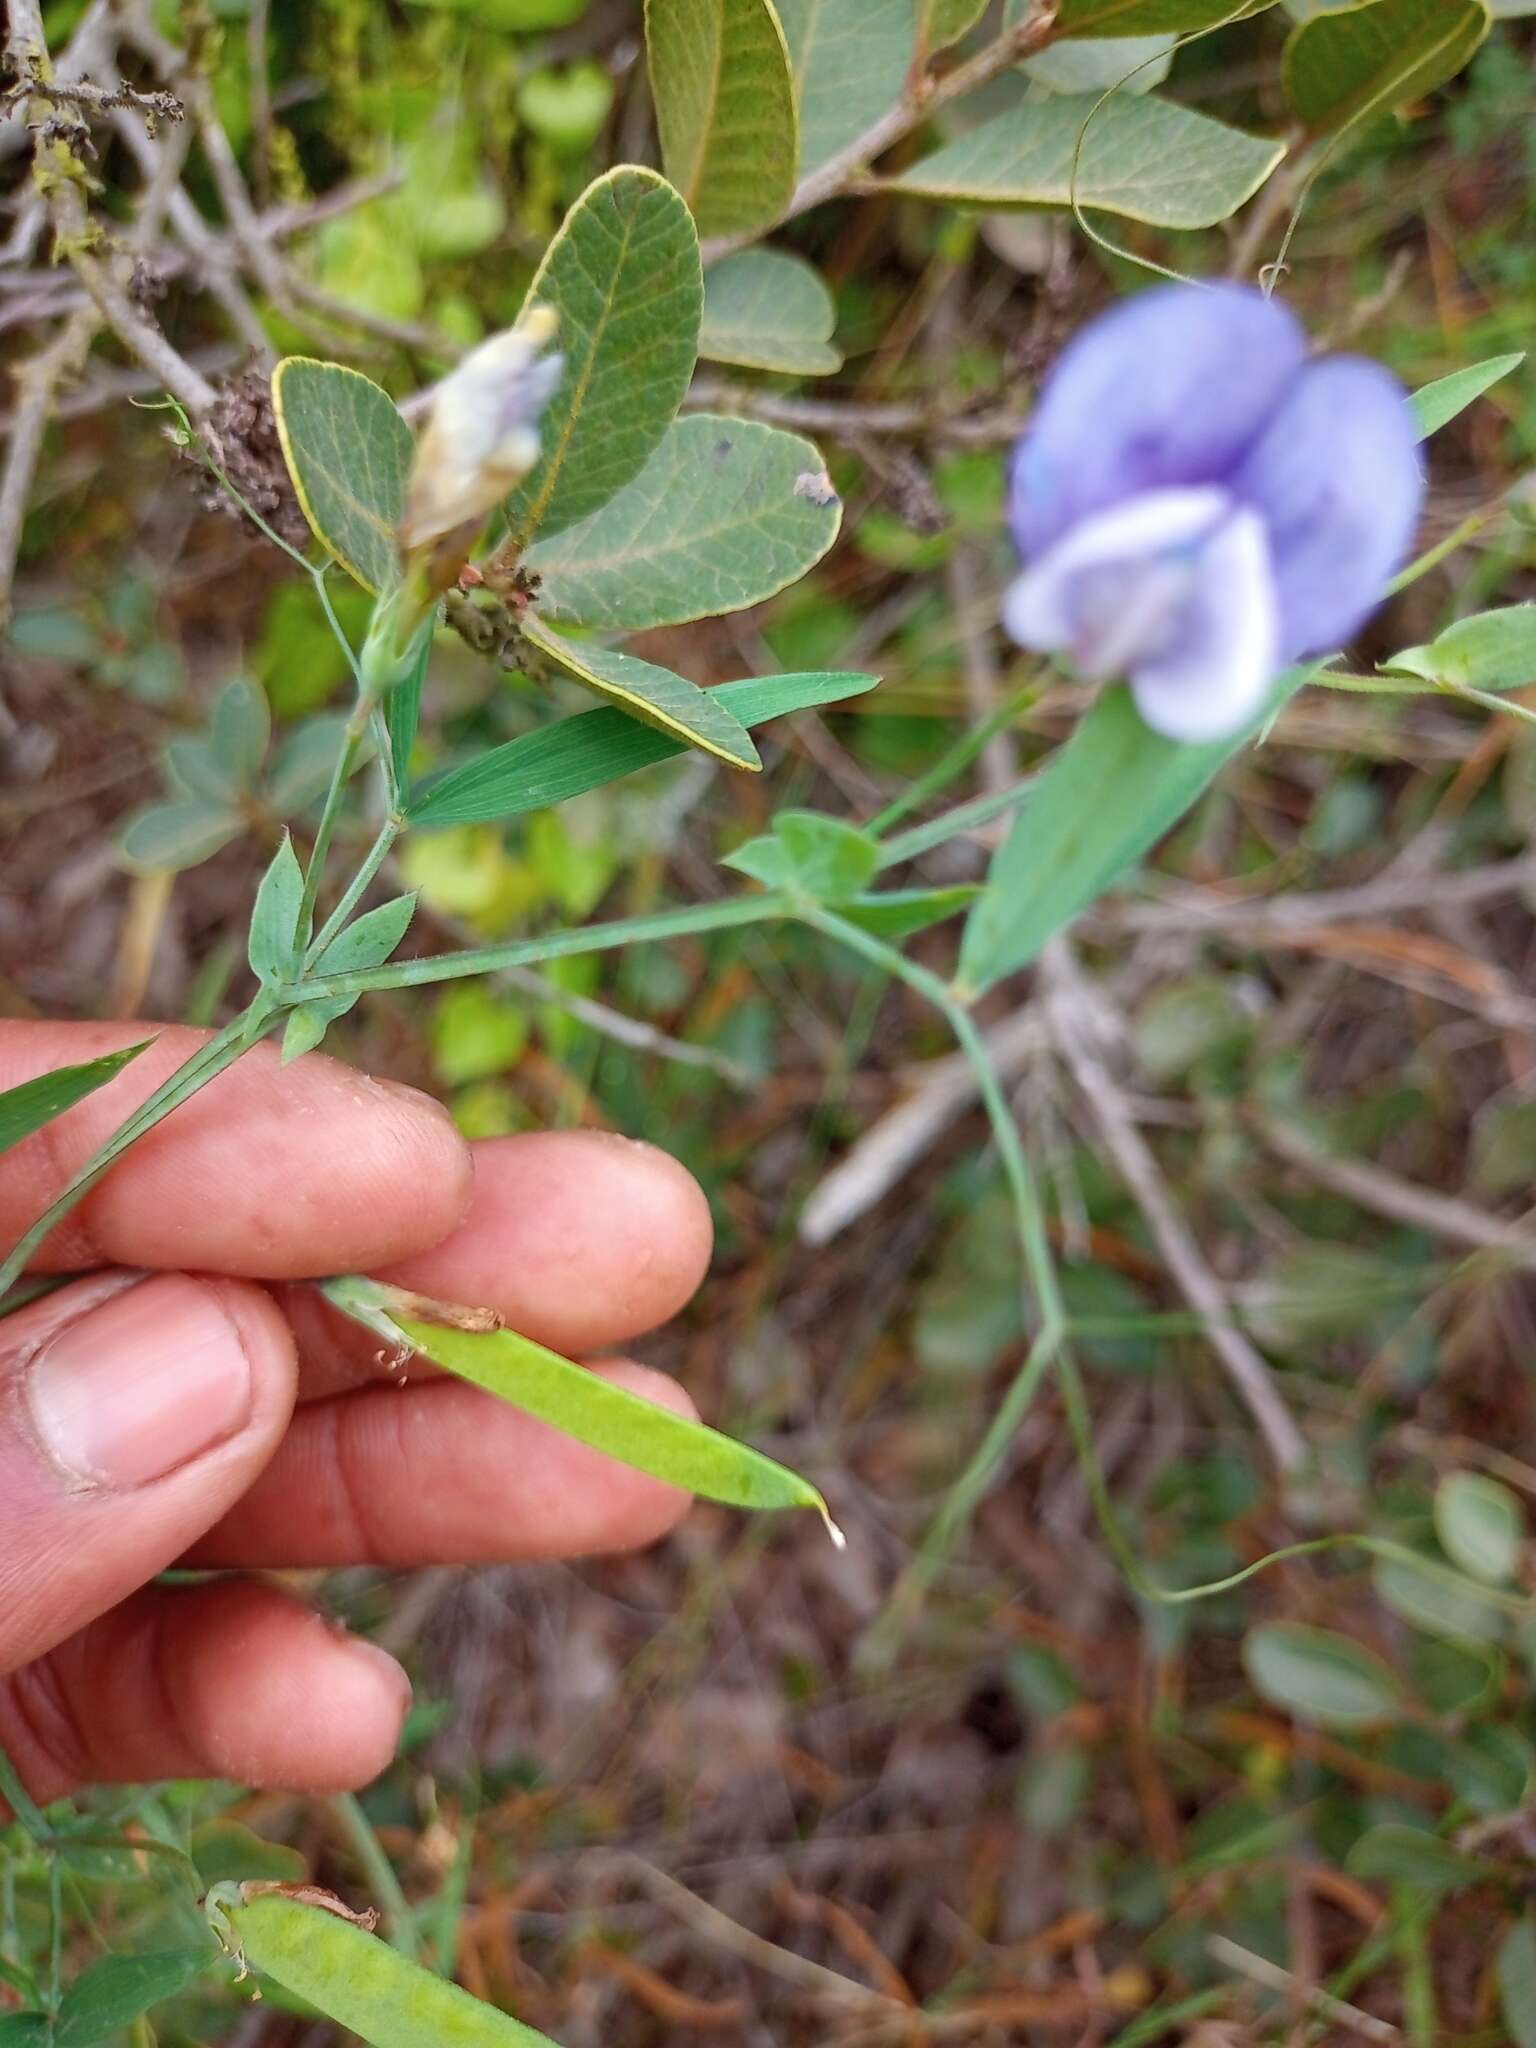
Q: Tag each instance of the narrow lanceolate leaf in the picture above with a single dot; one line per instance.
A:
(27, 1107)
(1344, 68)
(367, 942)
(766, 310)
(578, 754)
(349, 454)
(596, 1412)
(1107, 796)
(274, 937)
(357, 1980)
(850, 60)
(622, 277)
(1132, 154)
(725, 106)
(1145, 17)
(1435, 404)
(654, 695)
(725, 514)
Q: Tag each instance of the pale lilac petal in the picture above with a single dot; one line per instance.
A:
(1041, 607)
(1214, 679)
(1169, 388)
(1336, 479)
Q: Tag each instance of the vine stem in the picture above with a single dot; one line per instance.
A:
(346, 760)
(356, 889)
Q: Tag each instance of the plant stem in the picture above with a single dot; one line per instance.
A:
(346, 759)
(399, 1919)
(953, 761)
(597, 938)
(209, 1060)
(356, 889)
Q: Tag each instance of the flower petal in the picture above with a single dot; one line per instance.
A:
(1336, 478)
(1168, 388)
(1215, 677)
(1041, 609)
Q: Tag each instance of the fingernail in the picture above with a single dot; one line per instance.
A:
(379, 1664)
(153, 1378)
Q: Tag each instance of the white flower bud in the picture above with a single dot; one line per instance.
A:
(483, 435)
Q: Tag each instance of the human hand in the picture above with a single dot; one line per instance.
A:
(191, 1402)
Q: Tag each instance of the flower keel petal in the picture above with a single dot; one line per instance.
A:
(1214, 678)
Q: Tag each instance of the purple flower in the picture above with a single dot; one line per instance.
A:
(1198, 503)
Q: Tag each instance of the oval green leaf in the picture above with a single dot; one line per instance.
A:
(582, 753)
(348, 453)
(1145, 17)
(112, 1993)
(1480, 1525)
(363, 1984)
(1396, 1853)
(1319, 1676)
(178, 835)
(1439, 1602)
(1132, 154)
(623, 279)
(654, 695)
(767, 310)
(594, 1411)
(725, 107)
(1340, 68)
(1490, 651)
(726, 513)
(849, 60)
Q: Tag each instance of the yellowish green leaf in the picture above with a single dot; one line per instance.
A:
(725, 106)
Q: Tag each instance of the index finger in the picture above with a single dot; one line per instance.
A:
(269, 1172)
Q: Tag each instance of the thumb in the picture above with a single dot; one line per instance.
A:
(134, 1411)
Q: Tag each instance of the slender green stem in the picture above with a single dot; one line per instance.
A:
(399, 1919)
(966, 817)
(1469, 529)
(21, 1802)
(322, 591)
(734, 911)
(954, 760)
(211, 1059)
(346, 760)
(356, 889)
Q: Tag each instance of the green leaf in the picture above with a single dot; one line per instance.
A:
(767, 310)
(1340, 68)
(826, 858)
(897, 913)
(301, 771)
(942, 22)
(176, 835)
(349, 454)
(192, 766)
(275, 937)
(1491, 651)
(31, 1104)
(594, 1411)
(1395, 1853)
(1435, 404)
(112, 1993)
(1146, 17)
(653, 695)
(1105, 798)
(362, 1983)
(402, 716)
(226, 1849)
(367, 942)
(725, 108)
(1440, 1605)
(726, 513)
(1480, 1525)
(1516, 1970)
(1133, 155)
(622, 277)
(1098, 64)
(25, 2030)
(582, 753)
(240, 730)
(1504, 1146)
(1319, 1676)
(850, 60)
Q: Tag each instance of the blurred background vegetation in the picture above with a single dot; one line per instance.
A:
(724, 1791)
